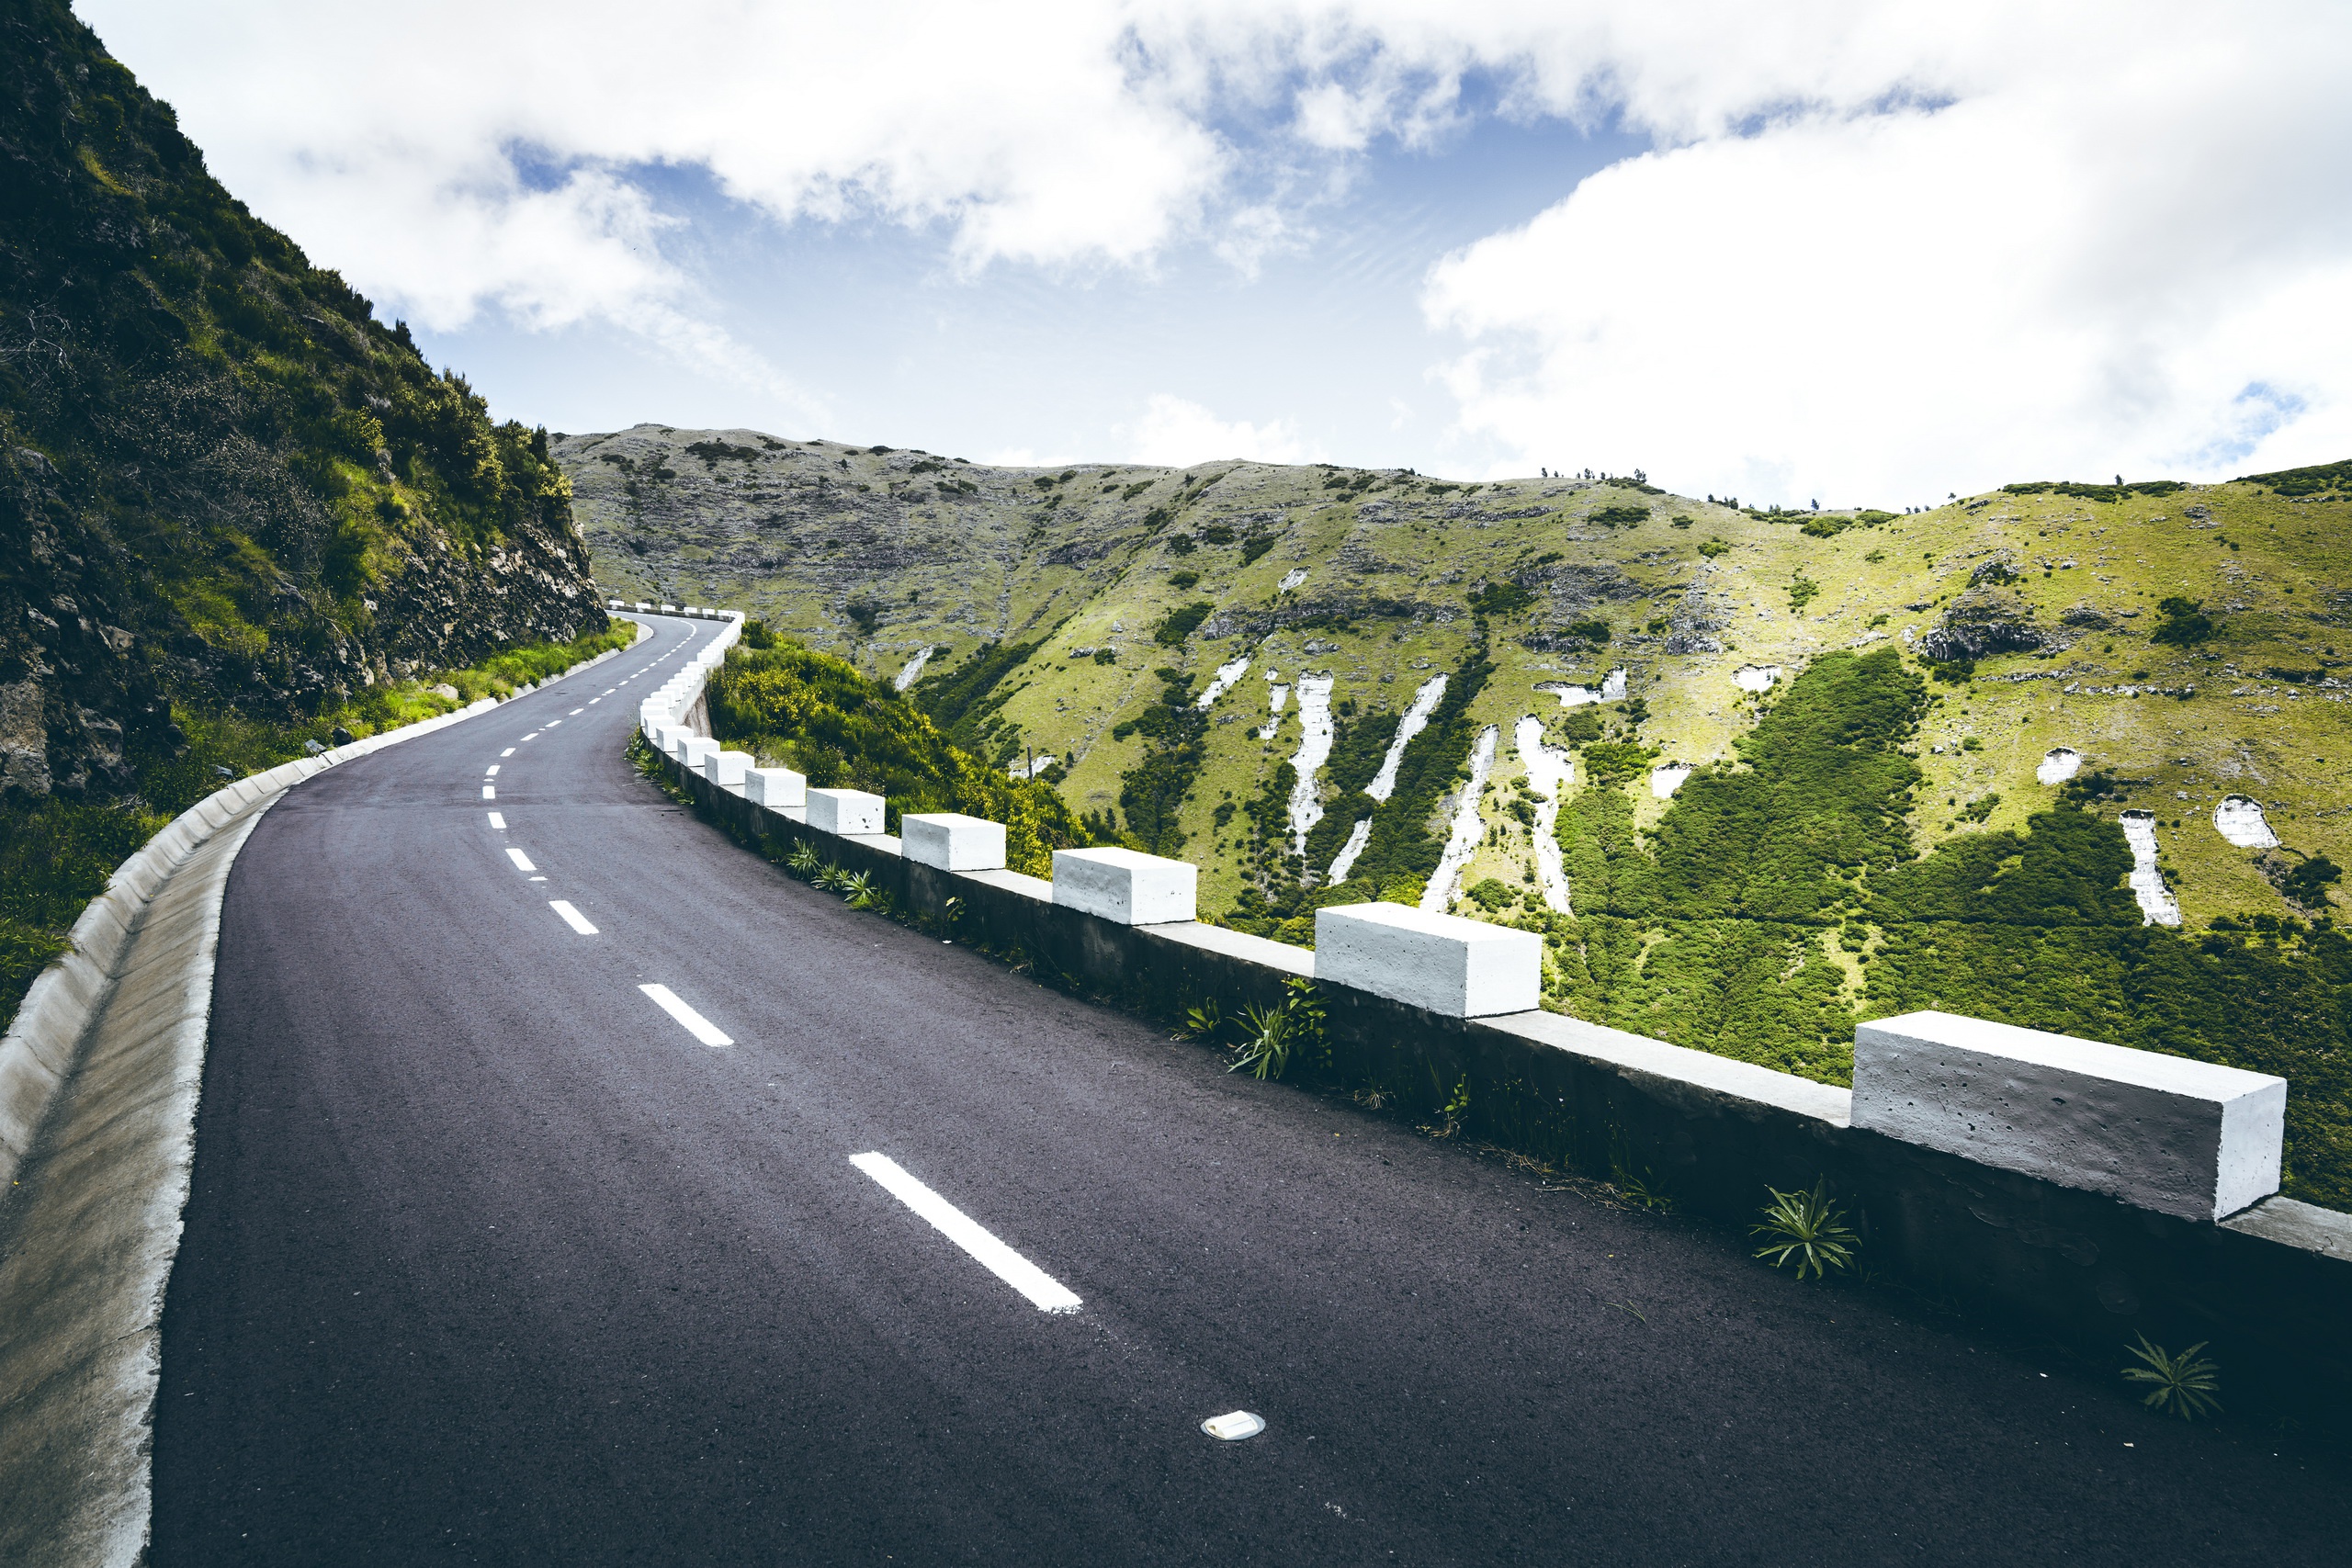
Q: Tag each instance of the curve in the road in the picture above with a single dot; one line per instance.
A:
(571, 1186)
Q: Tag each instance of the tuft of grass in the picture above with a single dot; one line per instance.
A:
(1808, 1228)
(1271, 1036)
(2186, 1385)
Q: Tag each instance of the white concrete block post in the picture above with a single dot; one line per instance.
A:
(1125, 885)
(694, 749)
(952, 841)
(726, 769)
(1443, 962)
(776, 788)
(852, 812)
(2161, 1132)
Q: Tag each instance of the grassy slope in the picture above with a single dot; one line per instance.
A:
(1679, 930)
(757, 535)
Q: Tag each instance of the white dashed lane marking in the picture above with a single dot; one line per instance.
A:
(1043, 1289)
(521, 861)
(498, 821)
(508, 752)
(694, 1022)
(575, 713)
(571, 917)
(489, 792)
(491, 773)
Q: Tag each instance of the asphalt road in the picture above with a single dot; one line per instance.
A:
(491, 1259)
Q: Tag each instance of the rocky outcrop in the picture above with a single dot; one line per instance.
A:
(1980, 623)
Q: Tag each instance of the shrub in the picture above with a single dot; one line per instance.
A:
(819, 715)
(2182, 622)
(2307, 884)
(1181, 623)
(1492, 894)
(1501, 598)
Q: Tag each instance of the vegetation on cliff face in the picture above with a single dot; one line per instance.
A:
(235, 510)
(792, 706)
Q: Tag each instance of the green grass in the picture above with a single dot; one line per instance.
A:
(795, 707)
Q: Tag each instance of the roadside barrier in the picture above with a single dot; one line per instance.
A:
(2089, 1191)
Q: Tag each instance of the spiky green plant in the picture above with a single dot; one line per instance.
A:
(1808, 1227)
(2186, 1385)
(1268, 1035)
(803, 861)
(1271, 1036)
(1205, 1021)
(860, 888)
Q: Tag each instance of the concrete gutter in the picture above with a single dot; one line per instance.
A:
(99, 1074)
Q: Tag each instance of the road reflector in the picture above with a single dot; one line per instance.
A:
(1233, 1426)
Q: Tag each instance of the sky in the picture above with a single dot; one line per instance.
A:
(1844, 252)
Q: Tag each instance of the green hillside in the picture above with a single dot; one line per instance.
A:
(1862, 829)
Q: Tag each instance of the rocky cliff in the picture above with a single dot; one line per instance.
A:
(225, 488)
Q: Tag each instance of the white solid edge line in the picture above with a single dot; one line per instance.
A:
(521, 861)
(571, 917)
(489, 792)
(498, 820)
(1043, 1289)
(695, 1024)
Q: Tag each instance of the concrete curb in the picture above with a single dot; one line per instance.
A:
(99, 1075)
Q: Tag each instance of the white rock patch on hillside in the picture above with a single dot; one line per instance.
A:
(907, 676)
(1291, 579)
(2157, 906)
(1416, 719)
(1612, 687)
(1313, 750)
(1345, 861)
(1756, 677)
(2239, 820)
(1277, 695)
(1668, 778)
(2058, 764)
(1226, 674)
(1548, 772)
(1468, 826)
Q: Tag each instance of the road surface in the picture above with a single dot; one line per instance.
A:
(491, 1258)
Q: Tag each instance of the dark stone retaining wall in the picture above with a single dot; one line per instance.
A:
(2269, 1289)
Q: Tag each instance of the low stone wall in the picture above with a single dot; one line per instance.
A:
(2268, 1288)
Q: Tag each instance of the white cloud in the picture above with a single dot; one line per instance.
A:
(1878, 252)
(2094, 255)
(1177, 434)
